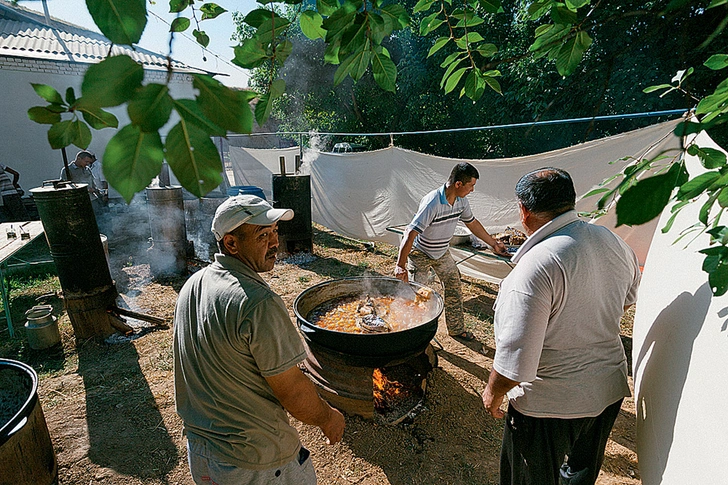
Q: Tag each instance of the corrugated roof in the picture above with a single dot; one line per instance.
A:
(25, 33)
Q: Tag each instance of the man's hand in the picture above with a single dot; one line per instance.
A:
(401, 274)
(334, 428)
(500, 249)
(492, 404)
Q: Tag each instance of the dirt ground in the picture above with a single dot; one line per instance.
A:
(110, 406)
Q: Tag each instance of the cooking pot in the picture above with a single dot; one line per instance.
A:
(380, 346)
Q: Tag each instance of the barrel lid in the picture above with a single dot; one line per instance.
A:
(45, 189)
(39, 311)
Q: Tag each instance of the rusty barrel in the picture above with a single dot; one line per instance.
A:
(26, 451)
(75, 245)
(168, 254)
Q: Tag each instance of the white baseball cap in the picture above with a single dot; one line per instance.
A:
(242, 209)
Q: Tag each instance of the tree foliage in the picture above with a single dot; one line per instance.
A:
(367, 44)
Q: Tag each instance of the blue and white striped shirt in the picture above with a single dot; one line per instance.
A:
(436, 220)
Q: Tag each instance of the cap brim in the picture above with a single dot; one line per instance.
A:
(271, 216)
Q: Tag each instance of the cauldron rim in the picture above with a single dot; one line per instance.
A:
(28, 405)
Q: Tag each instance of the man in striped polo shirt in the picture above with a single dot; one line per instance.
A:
(426, 242)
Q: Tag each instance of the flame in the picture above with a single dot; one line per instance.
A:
(384, 390)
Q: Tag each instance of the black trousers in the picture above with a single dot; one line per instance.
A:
(534, 450)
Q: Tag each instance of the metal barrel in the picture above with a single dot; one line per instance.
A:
(73, 238)
(294, 192)
(168, 254)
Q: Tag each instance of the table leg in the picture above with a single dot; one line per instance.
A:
(6, 302)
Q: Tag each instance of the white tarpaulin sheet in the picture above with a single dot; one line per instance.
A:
(359, 195)
(252, 166)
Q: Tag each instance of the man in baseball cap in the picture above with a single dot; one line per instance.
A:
(235, 360)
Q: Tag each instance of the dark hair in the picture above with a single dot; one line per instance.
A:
(463, 172)
(547, 191)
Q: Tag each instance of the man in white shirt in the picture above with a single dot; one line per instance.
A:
(559, 357)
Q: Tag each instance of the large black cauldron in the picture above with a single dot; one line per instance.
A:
(379, 346)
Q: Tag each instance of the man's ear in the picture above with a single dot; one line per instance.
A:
(230, 243)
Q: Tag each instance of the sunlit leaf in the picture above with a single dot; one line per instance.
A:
(430, 23)
(439, 44)
(112, 81)
(697, 185)
(571, 53)
(132, 159)
(651, 89)
(493, 83)
(454, 79)
(310, 22)
(327, 7)
(121, 21)
(98, 119)
(596, 191)
(41, 114)
(150, 107)
(211, 11)
(717, 61)
(710, 157)
(48, 93)
(385, 71)
(193, 158)
(576, 3)
(222, 105)
(717, 3)
(272, 28)
(423, 5)
(487, 50)
(397, 13)
(180, 24)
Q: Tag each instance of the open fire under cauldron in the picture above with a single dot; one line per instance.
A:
(361, 373)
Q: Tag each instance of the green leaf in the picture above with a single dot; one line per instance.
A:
(385, 72)
(310, 22)
(423, 6)
(571, 53)
(696, 186)
(250, 54)
(258, 16)
(710, 157)
(150, 107)
(193, 158)
(327, 7)
(176, 6)
(397, 14)
(180, 24)
(70, 96)
(651, 89)
(430, 23)
(594, 192)
(474, 86)
(265, 102)
(191, 113)
(121, 21)
(717, 3)
(112, 81)
(562, 15)
(98, 119)
(705, 209)
(283, 50)
(272, 28)
(718, 275)
(132, 159)
(470, 38)
(211, 11)
(491, 6)
(685, 128)
(647, 198)
(48, 93)
(226, 108)
(42, 115)
(487, 50)
(574, 4)
(454, 79)
(60, 135)
(343, 70)
(493, 83)
(439, 44)
(202, 38)
(723, 197)
(717, 61)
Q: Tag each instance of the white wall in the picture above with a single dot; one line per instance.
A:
(24, 143)
(680, 358)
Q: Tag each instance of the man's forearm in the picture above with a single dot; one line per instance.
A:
(408, 239)
(495, 391)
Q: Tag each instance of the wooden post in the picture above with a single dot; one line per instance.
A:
(283, 166)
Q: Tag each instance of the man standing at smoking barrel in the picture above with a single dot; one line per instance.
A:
(235, 361)
(558, 353)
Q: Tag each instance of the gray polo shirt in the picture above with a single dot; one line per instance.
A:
(231, 331)
(557, 320)
(436, 220)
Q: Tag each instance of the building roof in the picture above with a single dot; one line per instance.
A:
(25, 33)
